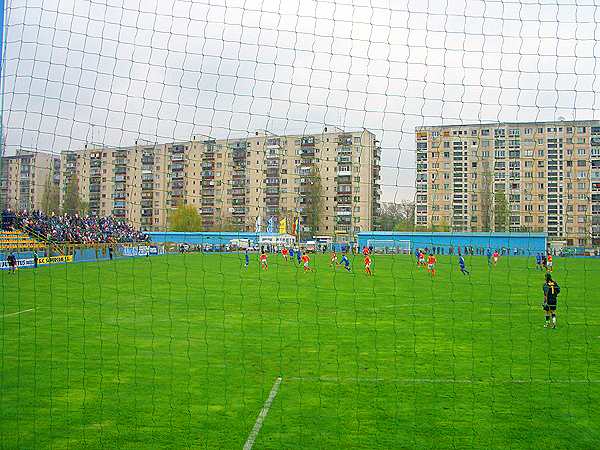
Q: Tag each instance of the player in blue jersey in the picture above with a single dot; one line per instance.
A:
(345, 262)
(299, 255)
(247, 259)
(461, 263)
(538, 261)
(488, 253)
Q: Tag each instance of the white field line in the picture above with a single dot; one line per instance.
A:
(262, 415)
(17, 313)
(437, 380)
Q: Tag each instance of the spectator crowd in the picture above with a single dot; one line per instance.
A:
(72, 228)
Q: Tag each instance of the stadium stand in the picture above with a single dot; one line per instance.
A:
(70, 228)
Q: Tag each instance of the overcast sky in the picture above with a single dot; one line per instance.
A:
(111, 71)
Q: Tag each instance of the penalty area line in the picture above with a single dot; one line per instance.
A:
(17, 313)
(262, 415)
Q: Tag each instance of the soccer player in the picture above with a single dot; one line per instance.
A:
(305, 261)
(12, 262)
(263, 261)
(549, 263)
(488, 253)
(421, 258)
(368, 265)
(495, 257)
(345, 262)
(284, 253)
(333, 259)
(292, 253)
(461, 263)
(431, 264)
(299, 255)
(247, 256)
(365, 250)
(538, 261)
(551, 291)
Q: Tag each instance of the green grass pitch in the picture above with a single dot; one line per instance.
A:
(181, 351)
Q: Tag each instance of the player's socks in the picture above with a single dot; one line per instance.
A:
(553, 321)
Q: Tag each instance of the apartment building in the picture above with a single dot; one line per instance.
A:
(330, 179)
(24, 177)
(126, 182)
(547, 172)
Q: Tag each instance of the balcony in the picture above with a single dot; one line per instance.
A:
(208, 193)
(238, 211)
(207, 210)
(272, 210)
(238, 154)
(177, 157)
(343, 212)
(148, 160)
(307, 151)
(176, 149)
(344, 150)
(344, 173)
(119, 213)
(146, 203)
(238, 192)
(146, 212)
(344, 140)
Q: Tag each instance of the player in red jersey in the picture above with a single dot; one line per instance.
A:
(305, 261)
(431, 264)
(549, 263)
(421, 258)
(333, 259)
(365, 250)
(368, 265)
(285, 253)
(495, 256)
(263, 261)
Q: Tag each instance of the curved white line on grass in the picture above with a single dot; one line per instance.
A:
(262, 415)
(17, 313)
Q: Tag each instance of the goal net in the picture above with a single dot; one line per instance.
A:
(187, 188)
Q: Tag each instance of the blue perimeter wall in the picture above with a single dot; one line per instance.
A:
(215, 238)
(527, 243)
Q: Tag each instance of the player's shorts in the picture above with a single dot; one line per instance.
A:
(306, 265)
(422, 261)
(495, 259)
(550, 306)
(549, 264)
(431, 266)
(368, 266)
